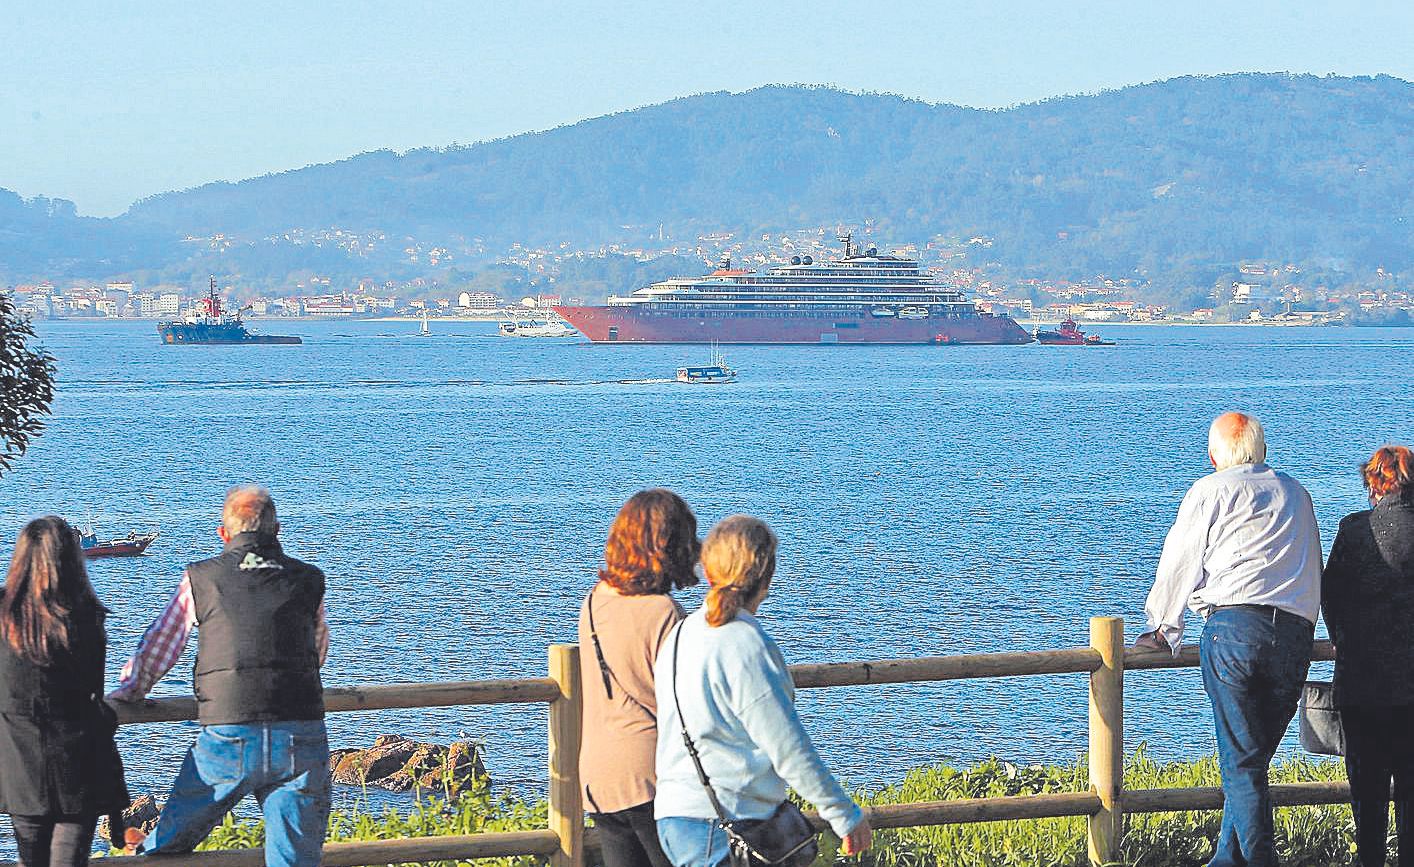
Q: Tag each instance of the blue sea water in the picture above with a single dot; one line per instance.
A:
(930, 500)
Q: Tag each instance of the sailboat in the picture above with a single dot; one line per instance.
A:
(424, 330)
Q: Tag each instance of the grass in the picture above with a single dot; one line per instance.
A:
(1306, 836)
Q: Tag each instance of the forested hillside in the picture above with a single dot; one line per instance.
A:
(1168, 178)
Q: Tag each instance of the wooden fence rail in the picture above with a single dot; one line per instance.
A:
(566, 840)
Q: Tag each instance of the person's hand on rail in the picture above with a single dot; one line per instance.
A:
(859, 839)
(1151, 641)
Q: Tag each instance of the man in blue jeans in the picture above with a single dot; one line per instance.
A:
(262, 639)
(1245, 553)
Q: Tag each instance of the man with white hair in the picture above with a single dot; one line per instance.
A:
(1245, 553)
(262, 638)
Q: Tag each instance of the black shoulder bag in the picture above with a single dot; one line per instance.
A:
(604, 670)
(786, 839)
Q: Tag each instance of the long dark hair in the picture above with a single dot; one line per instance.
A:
(46, 591)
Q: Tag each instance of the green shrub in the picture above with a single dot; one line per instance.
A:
(1306, 836)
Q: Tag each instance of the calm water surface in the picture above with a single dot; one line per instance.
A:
(457, 489)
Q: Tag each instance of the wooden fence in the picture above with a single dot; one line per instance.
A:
(564, 842)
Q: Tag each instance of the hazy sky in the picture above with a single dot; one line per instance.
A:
(105, 102)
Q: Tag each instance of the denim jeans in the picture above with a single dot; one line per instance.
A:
(693, 842)
(1254, 660)
(285, 765)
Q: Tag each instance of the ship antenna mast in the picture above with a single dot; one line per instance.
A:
(213, 304)
(848, 242)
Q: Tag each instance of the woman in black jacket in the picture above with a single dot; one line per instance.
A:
(1367, 594)
(59, 767)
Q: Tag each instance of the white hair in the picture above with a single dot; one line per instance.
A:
(249, 509)
(1236, 438)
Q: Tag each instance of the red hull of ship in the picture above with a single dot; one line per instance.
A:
(628, 325)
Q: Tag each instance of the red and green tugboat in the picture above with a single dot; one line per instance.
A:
(210, 325)
(1070, 335)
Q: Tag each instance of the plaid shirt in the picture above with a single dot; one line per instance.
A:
(162, 644)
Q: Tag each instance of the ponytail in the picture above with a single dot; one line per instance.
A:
(722, 604)
(739, 558)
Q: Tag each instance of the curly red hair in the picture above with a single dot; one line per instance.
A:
(1390, 470)
(652, 546)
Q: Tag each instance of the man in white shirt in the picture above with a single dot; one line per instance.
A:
(1245, 553)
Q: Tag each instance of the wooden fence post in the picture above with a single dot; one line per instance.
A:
(1106, 828)
(566, 803)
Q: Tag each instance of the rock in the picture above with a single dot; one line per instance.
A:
(141, 813)
(399, 765)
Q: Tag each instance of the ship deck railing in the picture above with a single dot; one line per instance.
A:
(565, 840)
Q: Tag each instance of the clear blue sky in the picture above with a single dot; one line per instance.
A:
(105, 102)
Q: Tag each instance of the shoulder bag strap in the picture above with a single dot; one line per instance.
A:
(604, 671)
(687, 739)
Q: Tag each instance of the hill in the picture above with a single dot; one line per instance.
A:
(1170, 180)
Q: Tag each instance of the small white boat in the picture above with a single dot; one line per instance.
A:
(882, 312)
(424, 330)
(708, 374)
(913, 313)
(537, 327)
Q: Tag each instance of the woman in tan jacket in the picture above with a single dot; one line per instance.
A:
(652, 548)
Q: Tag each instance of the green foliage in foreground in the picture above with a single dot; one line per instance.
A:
(1306, 836)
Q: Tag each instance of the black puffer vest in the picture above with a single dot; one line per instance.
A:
(257, 654)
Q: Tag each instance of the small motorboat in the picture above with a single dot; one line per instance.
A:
(708, 374)
(132, 545)
(1069, 334)
(552, 326)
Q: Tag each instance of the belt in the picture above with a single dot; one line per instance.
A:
(1270, 611)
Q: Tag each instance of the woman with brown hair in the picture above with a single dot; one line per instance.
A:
(59, 767)
(1367, 593)
(651, 549)
(729, 740)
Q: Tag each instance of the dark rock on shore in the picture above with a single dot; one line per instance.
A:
(141, 813)
(400, 765)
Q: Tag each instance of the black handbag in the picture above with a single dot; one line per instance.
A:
(784, 839)
(1321, 729)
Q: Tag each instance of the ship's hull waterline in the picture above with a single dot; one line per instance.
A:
(604, 324)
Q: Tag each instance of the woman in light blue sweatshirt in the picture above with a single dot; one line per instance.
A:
(738, 701)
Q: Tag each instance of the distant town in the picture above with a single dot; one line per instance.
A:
(1258, 292)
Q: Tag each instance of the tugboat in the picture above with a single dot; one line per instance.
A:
(211, 325)
(133, 545)
(710, 374)
(1070, 335)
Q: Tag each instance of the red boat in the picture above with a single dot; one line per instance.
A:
(1070, 335)
(133, 545)
(866, 297)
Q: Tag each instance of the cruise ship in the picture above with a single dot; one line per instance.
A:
(866, 297)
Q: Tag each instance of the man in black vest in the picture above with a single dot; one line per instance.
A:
(262, 639)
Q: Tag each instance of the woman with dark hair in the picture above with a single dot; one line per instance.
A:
(59, 767)
(730, 740)
(651, 549)
(1367, 593)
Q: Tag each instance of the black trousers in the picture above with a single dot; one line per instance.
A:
(1379, 748)
(629, 838)
(54, 841)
